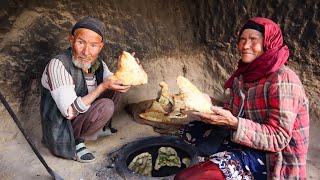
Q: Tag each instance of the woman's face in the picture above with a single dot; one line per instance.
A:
(250, 45)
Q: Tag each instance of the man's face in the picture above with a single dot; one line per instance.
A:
(250, 45)
(86, 46)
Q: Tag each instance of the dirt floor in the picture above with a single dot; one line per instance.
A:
(19, 162)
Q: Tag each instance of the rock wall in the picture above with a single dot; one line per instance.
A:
(170, 37)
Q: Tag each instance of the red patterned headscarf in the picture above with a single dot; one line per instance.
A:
(276, 54)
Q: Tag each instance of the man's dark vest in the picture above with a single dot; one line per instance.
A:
(57, 131)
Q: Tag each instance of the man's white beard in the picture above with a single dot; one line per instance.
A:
(81, 65)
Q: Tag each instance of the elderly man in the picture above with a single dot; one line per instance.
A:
(78, 99)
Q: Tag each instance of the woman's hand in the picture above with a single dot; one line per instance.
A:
(115, 85)
(219, 117)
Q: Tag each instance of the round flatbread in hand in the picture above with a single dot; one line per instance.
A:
(130, 72)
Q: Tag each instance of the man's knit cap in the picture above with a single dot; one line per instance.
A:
(92, 24)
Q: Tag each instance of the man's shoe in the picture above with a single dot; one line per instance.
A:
(83, 154)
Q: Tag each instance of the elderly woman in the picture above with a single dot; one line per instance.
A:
(266, 113)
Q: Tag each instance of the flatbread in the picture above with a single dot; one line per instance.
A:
(177, 115)
(156, 107)
(154, 116)
(167, 156)
(130, 72)
(166, 97)
(177, 107)
(142, 164)
(193, 98)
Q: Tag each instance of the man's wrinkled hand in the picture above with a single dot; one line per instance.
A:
(115, 85)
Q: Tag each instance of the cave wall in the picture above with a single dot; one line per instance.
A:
(170, 37)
